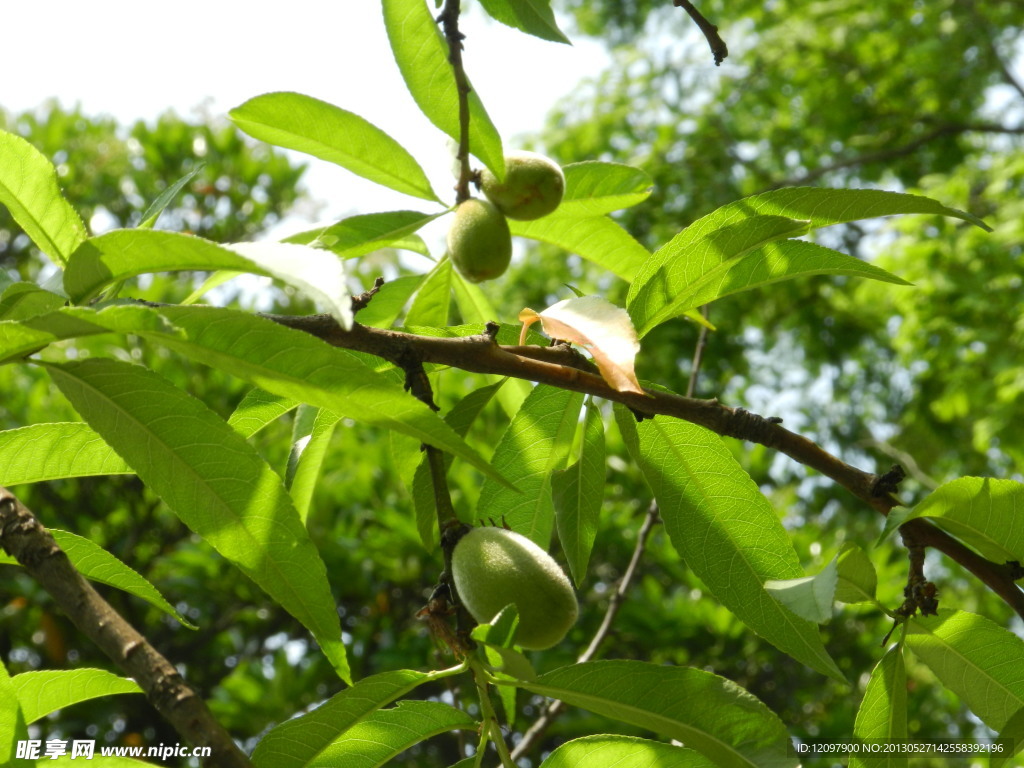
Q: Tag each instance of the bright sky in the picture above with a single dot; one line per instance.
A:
(133, 60)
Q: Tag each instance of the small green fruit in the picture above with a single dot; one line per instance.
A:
(479, 242)
(493, 567)
(533, 186)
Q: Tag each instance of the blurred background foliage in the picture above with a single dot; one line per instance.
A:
(909, 96)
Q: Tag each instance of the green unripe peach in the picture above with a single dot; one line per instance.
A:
(533, 186)
(493, 567)
(479, 242)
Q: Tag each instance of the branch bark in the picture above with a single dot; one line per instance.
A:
(481, 354)
(23, 537)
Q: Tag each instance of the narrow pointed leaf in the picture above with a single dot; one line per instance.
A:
(44, 452)
(1012, 735)
(883, 711)
(534, 445)
(422, 57)
(258, 409)
(280, 360)
(975, 658)
(307, 459)
(725, 529)
(164, 199)
(126, 253)
(386, 733)
(596, 238)
(432, 300)
(623, 752)
(534, 17)
(578, 493)
(673, 288)
(809, 597)
(984, 512)
(708, 713)
(300, 742)
(213, 480)
(28, 189)
(368, 232)
(594, 188)
(857, 578)
(12, 722)
(303, 123)
(44, 691)
(389, 301)
(21, 301)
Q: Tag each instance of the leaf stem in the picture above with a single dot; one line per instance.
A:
(490, 725)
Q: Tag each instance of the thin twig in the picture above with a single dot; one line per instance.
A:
(449, 20)
(24, 537)
(536, 731)
(718, 47)
(698, 355)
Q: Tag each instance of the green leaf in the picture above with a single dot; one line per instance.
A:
(1013, 733)
(164, 199)
(307, 458)
(12, 722)
(460, 418)
(55, 451)
(699, 271)
(809, 597)
(368, 232)
(386, 733)
(623, 752)
(534, 445)
(724, 528)
(593, 188)
(301, 741)
(819, 207)
(126, 253)
(534, 17)
(299, 122)
(578, 493)
(21, 301)
(215, 280)
(258, 409)
(595, 238)
(44, 691)
(28, 188)
(981, 511)
(857, 577)
(975, 658)
(883, 710)
(289, 363)
(422, 57)
(708, 713)
(431, 302)
(387, 304)
(96, 564)
(213, 480)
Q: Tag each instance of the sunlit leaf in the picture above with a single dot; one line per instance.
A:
(41, 692)
(300, 122)
(975, 658)
(368, 232)
(258, 409)
(151, 214)
(28, 189)
(213, 480)
(883, 711)
(724, 528)
(981, 511)
(593, 188)
(430, 304)
(422, 57)
(596, 238)
(708, 713)
(623, 752)
(809, 597)
(857, 578)
(600, 327)
(20, 301)
(43, 452)
(536, 443)
(309, 446)
(578, 493)
(534, 17)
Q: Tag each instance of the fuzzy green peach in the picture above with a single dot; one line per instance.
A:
(479, 241)
(533, 186)
(493, 567)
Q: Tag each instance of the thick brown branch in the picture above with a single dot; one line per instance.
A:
(480, 354)
(23, 537)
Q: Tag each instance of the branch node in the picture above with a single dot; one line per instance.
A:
(888, 483)
(359, 302)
